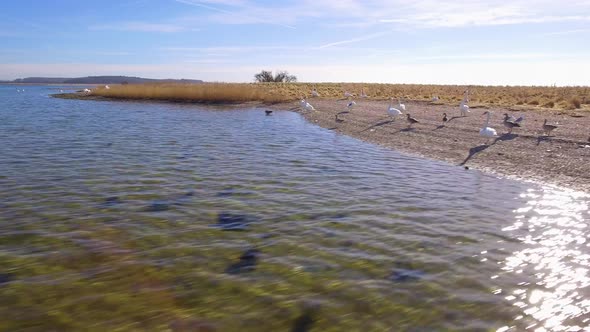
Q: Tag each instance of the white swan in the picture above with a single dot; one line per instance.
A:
(401, 106)
(392, 111)
(487, 132)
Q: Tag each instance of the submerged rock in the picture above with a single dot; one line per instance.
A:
(111, 200)
(5, 278)
(157, 206)
(403, 275)
(246, 263)
(234, 222)
(305, 321)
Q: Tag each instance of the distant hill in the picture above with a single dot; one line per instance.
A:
(98, 80)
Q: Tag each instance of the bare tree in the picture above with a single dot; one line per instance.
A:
(280, 77)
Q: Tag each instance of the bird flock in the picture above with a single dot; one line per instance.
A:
(395, 110)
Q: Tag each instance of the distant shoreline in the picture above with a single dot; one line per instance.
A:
(561, 160)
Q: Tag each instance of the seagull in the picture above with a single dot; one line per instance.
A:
(314, 93)
(401, 106)
(463, 107)
(107, 87)
(392, 111)
(508, 123)
(268, 112)
(87, 91)
(487, 132)
(351, 105)
(307, 106)
(363, 94)
(548, 128)
(411, 120)
(435, 98)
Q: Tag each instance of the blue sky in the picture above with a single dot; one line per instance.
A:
(491, 42)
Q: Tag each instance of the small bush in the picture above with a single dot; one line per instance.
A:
(534, 102)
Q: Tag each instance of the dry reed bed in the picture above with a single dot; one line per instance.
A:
(207, 92)
(531, 97)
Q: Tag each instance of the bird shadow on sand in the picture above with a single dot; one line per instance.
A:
(404, 130)
(475, 150)
(455, 117)
(378, 124)
(439, 127)
(543, 138)
(505, 137)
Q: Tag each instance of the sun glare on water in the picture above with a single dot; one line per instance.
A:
(554, 264)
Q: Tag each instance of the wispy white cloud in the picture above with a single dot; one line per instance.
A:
(353, 40)
(243, 13)
(428, 13)
(567, 32)
(140, 27)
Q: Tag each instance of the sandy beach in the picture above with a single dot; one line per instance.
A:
(561, 159)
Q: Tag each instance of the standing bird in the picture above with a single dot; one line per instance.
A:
(548, 128)
(411, 120)
(314, 93)
(392, 111)
(509, 118)
(306, 106)
(435, 98)
(444, 119)
(401, 106)
(351, 105)
(463, 107)
(363, 94)
(510, 124)
(487, 132)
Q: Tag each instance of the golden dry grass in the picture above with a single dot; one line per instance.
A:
(206, 92)
(504, 96)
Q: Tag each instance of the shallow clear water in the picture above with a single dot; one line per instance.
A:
(139, 216)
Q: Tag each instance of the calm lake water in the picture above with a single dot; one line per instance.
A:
(121, 216)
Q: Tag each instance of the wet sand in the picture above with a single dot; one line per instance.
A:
(562, 159)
